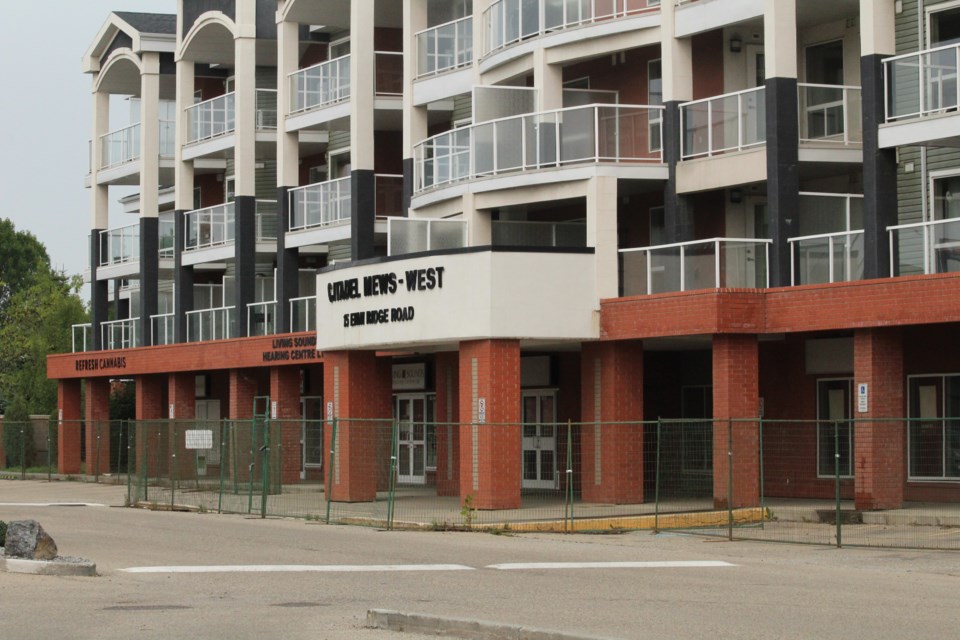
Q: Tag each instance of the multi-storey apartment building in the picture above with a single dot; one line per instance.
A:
(465, 214)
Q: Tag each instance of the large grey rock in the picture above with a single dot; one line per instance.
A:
(27, 539)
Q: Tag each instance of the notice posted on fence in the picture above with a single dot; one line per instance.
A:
(199, 439)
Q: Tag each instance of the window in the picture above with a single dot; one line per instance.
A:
(943, 26)
(834, 429)
(934, 428)
(654, 98)
(697, 431)
(946, 197)
(229, 189)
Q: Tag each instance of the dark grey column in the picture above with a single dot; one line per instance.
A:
(288, 262)
(245, 257)
(182, 280)
(783, 174)
(149, 277)
(407, 185)
(677, 211)
(363, 213)
(879, 173)
(99, 305)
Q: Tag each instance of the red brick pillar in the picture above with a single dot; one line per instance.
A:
(879, 457)
(611, 460)
(736, 395)
(491, 435)
(359, 386)
(448, 432)
(69, 454)
(98, 424)
(150, 413)
(243, 389)
(285, 392)
(182, 397)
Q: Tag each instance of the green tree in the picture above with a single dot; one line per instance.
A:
(22, 258)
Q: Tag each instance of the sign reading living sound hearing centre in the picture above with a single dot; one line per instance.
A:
(465, 296)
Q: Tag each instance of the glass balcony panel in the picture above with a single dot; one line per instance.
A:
(410, 237)
(664, 265)
(578, 135)
(508, 135)
(209, 227)
(320, 85)
(855, 257)
(696, 135)
(940, 79)
(211, 118)
(162, 329)
(261, 318)
(302, 314)
(742, 265)
(447, 234)
(484, 143)
(634, 269)
(946, 246)
(700, 270)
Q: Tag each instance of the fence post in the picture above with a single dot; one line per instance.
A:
(23, 453)
(129, 458)
(394, 439)
(762, 510)
(173, 468)
(836, 473)
(96, 477)
(223, 443)
(730, 479)
(265, 467)
(656, 483)
(250, 467)
(570, 469)
(49, 471)
(146, 461)
(120, 447)
(329, 487)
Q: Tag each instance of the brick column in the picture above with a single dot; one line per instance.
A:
(490, 457)
(182, 395)
(243, 388)
(98, 423)
(448, 433)
(285, 392)
(68, 426)
(879, 457)
(736, 395)
(359, 386)
(612, 391)
(151, 458)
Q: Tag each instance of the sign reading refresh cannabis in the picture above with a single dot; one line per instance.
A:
(381, 285)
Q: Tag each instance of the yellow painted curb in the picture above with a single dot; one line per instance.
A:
(701, 519)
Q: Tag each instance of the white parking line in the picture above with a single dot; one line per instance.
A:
(301, 568)
(672, 564)
(51, 504)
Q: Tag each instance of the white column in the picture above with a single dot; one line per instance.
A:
(878, 27)
(676, 58)
(184, 179)
(602, 233)
(149, 134)
(363, 75)
(548, 81)
(288, 144)
(414, 118)
(780, 38)
(99, 193)
(245, 105)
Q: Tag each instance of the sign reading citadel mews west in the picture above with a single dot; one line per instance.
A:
(464, 296)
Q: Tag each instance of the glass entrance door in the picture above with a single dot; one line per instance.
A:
(539, 440)
(311, 435)
(411, 413)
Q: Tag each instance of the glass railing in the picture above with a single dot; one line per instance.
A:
(120, 146)
(320, 85)
(922, 83)
(267, 220)
(211, 324)
(303, 315)
(731, 122)
(830, 113)
(120, 245)
(320, 204)
(209, 227)
(389, 69)
(414, 235)
(161, 329)
(925, 247)
(119, 334)
(82, 337)
(578, 135)
(166, 232)
(522, 233)
(826, 258)
(266, 109)
(717, 263)
(444, 47)
(211, 118)
(262, 318)
(507, 22)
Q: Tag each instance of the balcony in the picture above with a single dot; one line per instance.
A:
(717, 263)
(578, 135)
(831, 247)
(303, 314)
(320, 204)
(507, 22)
(830, 114)
(119, 334)
(120, 246)
(215, 226)
(161, 329)
(445, 47)
(82, 337)
(211, 324)
(120, 147)
(262, 318)
(211, 118)
(416, 235)
(328, 83)
(521, 233)
(723, 124)
(925, 247)
(922, 95)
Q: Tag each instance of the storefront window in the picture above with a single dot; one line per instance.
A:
(934, 431)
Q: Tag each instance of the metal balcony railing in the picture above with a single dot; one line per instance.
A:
(120, 245)
(826, 257)
(211, 118)
(925, 247)
(922, 83)
(209, 227)
(699, 264)
(444, 47)
(830, 113)
(266, 109)
(320, 85)
(211, 324)
(81, 337)
(720, 124)
(303, 315)
(414, 235)
(120, 146)
(161, 329)
(119, 334)
(577, 135)
(320, 204)
(262, 318)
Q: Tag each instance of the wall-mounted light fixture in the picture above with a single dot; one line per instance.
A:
(736, 44)
(736, 196)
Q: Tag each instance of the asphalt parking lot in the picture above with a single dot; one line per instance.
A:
(203, 575)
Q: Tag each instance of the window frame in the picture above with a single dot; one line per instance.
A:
(942, 419)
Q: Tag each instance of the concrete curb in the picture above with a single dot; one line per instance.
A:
(462, 627)
(47, 567)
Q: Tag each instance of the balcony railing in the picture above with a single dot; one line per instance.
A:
(303, 314)
(211, 118)
(166, 232)
(445, 47)
(414, 235)
(161, 329)
(209, 227)
(120, 245)
(262, 318)
(826, 258)
(830, 113)
(925, 247)
(731, 122)
(266, 220)
(320, 85)
(507, 22)
(922, 83)
(717, 263)
(578, 135)
(211, 324)
(521, 233)
(319, 205)
(82, 337)
(119, 334)
(120, 146)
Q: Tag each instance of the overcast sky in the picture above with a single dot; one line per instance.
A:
(45, 119)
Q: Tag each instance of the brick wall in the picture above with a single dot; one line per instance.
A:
(285, 391)
(735, 395)
(98, 426)
(68, 426)
(448, 411)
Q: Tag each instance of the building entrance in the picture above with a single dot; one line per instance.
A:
(311, 435)
(413, 413)
(539, 439)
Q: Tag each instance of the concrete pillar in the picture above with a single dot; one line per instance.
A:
(611, 455)
(736, 395)
(288, 165)
(548, 82)
(602, 234)
(149, 193)
(68, 426)
(285, 393)
(414, 118)
(183, 275)
(98, 426)
(99, 219)
(448, 430)
(677, 72)
(245, 202)
(359, 386)
(879, 455)
(490, 431)
(362, 93)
